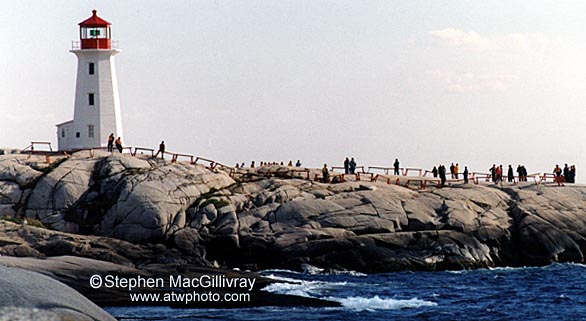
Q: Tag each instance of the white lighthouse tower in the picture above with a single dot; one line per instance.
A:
(97, 104)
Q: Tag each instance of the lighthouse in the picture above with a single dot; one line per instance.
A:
(96, 112)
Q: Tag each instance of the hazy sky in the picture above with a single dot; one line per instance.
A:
(473, 82)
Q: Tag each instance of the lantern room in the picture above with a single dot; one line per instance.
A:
(95, 33)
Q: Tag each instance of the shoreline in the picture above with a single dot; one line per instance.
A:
(156, 218)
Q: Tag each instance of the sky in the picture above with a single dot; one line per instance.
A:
(427, 82)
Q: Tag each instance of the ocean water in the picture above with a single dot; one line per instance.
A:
(555, 292)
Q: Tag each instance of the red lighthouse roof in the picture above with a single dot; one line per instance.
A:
(94, 21)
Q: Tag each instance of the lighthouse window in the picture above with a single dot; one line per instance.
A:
(63, 132)
(91, 67)
(94, 32)
(90, 99)
(76, 134)
(90, 131)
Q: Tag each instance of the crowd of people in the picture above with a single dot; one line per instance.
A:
(253, 164)
(440, 171)
(497, 173)
(566, 175)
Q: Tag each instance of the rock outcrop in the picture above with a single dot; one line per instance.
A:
(550, 224)
(274, 216)
(77, 271)
(29, 294)
(134, 199)
(358, 225)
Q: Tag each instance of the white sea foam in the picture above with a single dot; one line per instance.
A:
(314, 288)
(301, 288)
(290, 289)
(506, 268)
(314, 270)
(457, 271)
(576, 264)
(282, 278)
(354, 273)
(311, 270)
(492, 269)
(500, 268)
(279, 271)
(376, 303)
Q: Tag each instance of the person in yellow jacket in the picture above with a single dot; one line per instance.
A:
(119, 144)
(456, 170)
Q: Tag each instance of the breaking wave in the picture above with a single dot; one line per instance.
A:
(377, 303)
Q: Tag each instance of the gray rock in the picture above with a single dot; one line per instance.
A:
(227, 222)
(27, 314)
(24, 289)
(551, 224)
(187, 240)
(149, 201)
(57, 191)
(10, 193)
(367, 225)
(18, 169)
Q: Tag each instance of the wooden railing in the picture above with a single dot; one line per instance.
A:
(30, 149)
(381, 168)
(343, 168)
(137, 149)
(421, 179)
(175, 157)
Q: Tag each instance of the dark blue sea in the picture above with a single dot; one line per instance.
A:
(555, 292)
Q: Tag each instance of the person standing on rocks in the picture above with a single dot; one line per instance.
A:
(298, 164)
(456, 170)
(111, 142)
(346, 166)
(119, 144)
(566, 173)
(499, 174)
(396, 167)
(434, 171)
(493, 173)
(465, 174)
(162, 149)
(452, 170)
(557, 170)
(442, 174)
(510, 174)
(352, 166)
(325, 174)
